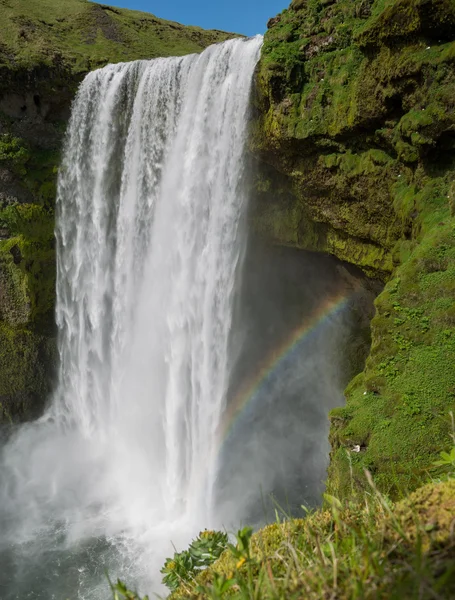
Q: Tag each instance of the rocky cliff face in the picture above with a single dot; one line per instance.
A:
(355, 133)
(46, 48)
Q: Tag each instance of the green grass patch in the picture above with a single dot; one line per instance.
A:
(370, 550)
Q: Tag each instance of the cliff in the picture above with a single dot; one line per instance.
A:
(46, 48)
(355, 133)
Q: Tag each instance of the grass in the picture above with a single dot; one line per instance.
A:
(370, 550)
(82, 35)
(396, 410)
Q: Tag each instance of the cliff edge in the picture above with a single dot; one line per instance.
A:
(355, 134)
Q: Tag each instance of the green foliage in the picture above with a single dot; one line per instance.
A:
(359, 128)
(121, 592)
(350, 551)
(13, 152)
(202, 552)
(446, 459)
(241, 551)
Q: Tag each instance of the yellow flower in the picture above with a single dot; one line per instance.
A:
(241, 562)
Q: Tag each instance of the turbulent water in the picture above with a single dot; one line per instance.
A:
(150, 242)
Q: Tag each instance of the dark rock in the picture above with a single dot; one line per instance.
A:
(273, 21)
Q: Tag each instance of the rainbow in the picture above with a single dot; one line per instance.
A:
(252, 387)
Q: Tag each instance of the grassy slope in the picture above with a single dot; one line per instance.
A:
(370, 551)
(84, 35)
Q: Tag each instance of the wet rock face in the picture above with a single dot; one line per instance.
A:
(354, 137)
(35, 105)
(32, 123)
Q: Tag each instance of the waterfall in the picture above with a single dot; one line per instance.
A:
(149, 243)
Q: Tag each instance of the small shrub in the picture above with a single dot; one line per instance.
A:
(202, 552)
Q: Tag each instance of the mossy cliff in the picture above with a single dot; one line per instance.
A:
(46, 48)
(355, 133)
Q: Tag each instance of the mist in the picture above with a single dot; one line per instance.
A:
(275, 452)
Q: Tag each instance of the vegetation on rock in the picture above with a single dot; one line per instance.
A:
(355, 113)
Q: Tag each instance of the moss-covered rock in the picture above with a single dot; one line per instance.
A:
(26, 361)
(355, 134)
(27, 278)
(346, 122)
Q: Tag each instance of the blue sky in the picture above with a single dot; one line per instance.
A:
(241, 16)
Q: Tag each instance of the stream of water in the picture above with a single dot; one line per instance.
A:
(150, 241)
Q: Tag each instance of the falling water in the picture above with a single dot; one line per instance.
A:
(149, 237)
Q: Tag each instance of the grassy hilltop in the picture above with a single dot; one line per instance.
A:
(83, 35)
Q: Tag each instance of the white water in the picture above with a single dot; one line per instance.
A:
(149, 237)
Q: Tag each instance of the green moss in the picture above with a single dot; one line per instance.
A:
(408, 380)
(14, 153)
(15, 301)
(27, 284)
(356, 114)
(26, 359)
(402, 19)
(28, 259)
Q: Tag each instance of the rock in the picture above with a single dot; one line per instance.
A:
(356, 168)
(273, 21)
